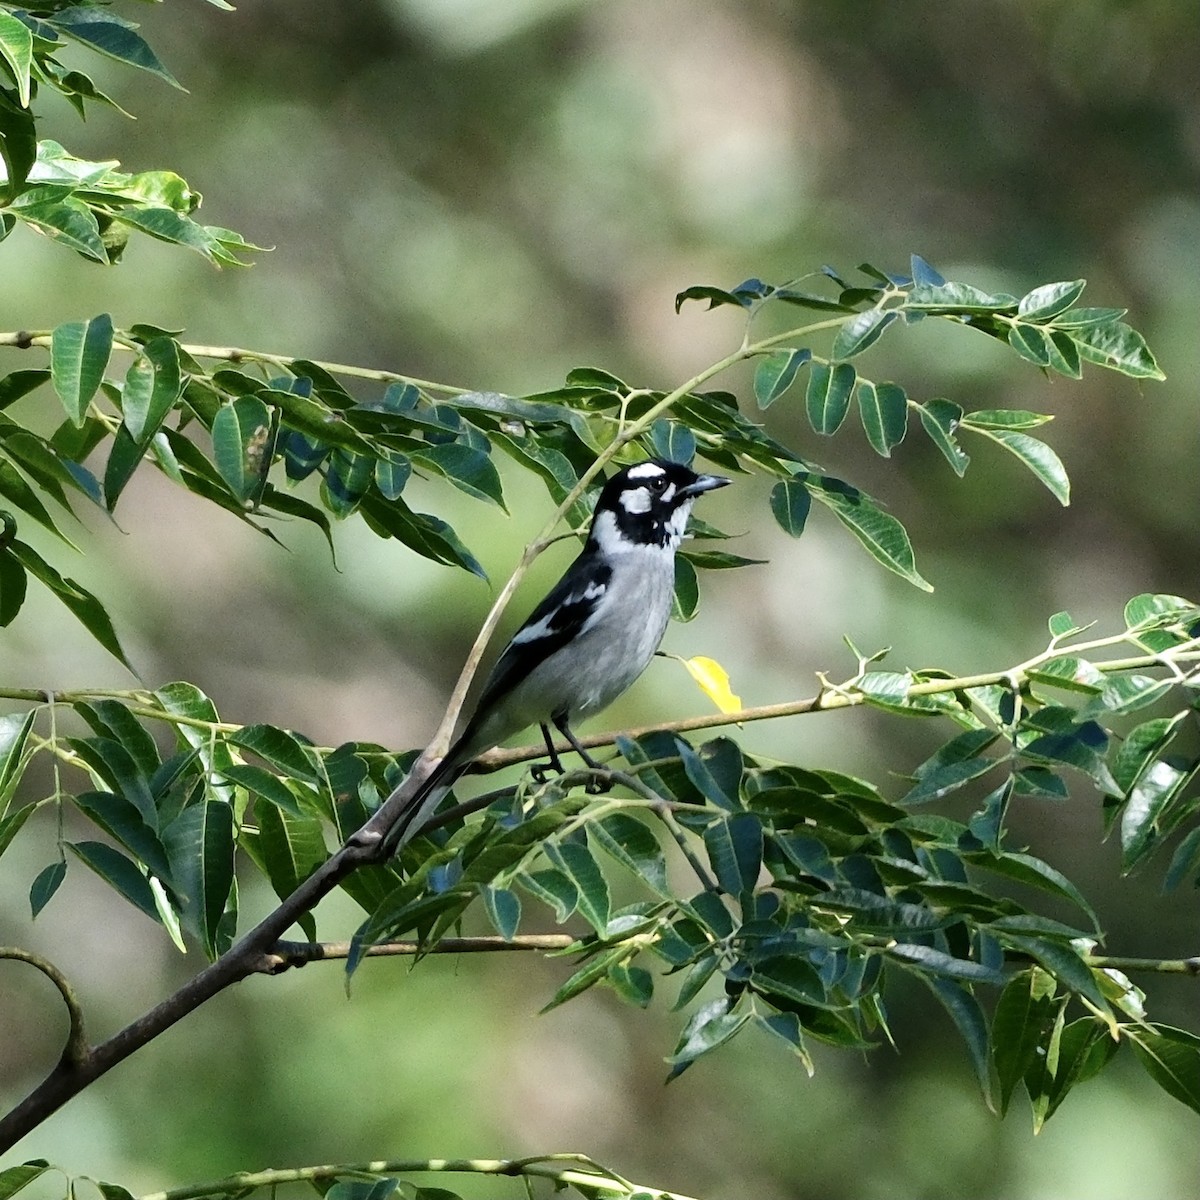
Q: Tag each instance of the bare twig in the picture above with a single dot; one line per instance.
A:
(285, 955)
(75, 1052)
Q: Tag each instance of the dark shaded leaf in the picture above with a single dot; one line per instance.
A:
(119, 873)
(575, 861)
(86, 608)
(790, 505)
(631, 843)
(503, 908)
(1171, 1058)
(199, 844)
(48, 881)
(735, 848)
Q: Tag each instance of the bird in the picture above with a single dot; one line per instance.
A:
(594, 633)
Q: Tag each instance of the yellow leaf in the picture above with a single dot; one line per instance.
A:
(714, 682)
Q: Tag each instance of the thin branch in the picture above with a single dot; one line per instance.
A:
(1157, 966)
(564, 1169)
(26, 339)
(286, 955)
(75, 1052)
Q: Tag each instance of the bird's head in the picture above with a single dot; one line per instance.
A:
(648, 504)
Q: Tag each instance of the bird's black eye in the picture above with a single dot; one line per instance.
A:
(658, 483)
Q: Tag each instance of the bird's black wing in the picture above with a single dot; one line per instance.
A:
(560, 617)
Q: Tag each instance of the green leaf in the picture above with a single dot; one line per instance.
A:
(18, 149)
(1063, 963)
(710, 1026)
(1029, 870)
(144, 408)
(1031, 342)
(827, 397)
(1037, 456)
(20, 383)
(283, 750)
(553, 889)
(200, 844)
(882, 535)
(1184, 861)
(241, 435)
(15, 488)
(470, 470)
(940, 419)
(928, 961)
(1023, 1016)
(504, 911)
(575, 861)
(951, 298)
(86, 608)
(14, 734)
(591, 973)
(16, 48)
(635, 985)
(673, 441)
(861, 331)
(119, 873)
(289, 848)
(631, 843)
(775, 373)
(13, 1179)
(1076, 1051)
(790, 505)
(79, 353)
(1171, 1058)
(735, 847)
(968, 1017)
(120, 817)
(883, 409)
(112, 36)
(347, 481)
(1050, 299)
(1157, 785)
(1116, 346)
(48, 881)
(12, 591)
(1004, 418)
(685, 600)
(429, 536)
(69, 222)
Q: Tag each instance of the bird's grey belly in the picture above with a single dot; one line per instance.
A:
(603, 661)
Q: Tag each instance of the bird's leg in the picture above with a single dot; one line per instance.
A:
(540, 771)
(594, 786)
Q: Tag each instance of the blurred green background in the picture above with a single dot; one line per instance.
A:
(487, 193)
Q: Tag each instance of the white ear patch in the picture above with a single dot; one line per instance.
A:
(636, 501)
(646, 470)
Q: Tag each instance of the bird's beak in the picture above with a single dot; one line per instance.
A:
(705, 483)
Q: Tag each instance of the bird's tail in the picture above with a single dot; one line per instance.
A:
(423, 803)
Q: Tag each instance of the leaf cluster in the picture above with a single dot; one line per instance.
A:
(89, 207)
(771, 896)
